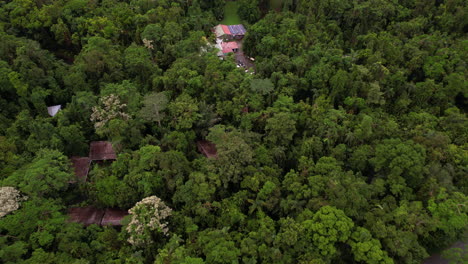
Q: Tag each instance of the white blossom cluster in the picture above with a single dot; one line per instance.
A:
(148, 43)
(111, 108)
(10, 199)
(147, 215)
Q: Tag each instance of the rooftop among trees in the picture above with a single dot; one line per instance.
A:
(346, 144)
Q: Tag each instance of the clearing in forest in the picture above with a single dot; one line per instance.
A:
(230, 13)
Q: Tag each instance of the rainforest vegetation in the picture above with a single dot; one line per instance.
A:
(349, 143)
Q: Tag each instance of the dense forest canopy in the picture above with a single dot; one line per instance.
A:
(348, 143)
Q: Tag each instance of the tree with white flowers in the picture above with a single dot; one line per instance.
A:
(109, 108)
(10, 200)
(148, 221)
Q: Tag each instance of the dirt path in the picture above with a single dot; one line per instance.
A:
(242, 58)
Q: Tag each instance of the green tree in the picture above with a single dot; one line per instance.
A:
(174, 252)
(8, 158)
(218, 247)
(456, 255)
(183, 112)
(48, 175)
(37, 222)
(403, 163)
(367, 249)
(99, 60)
(450, 212)
(234, 154)
(327, 227)
(148, 219)
(249, 10)
(138, 63)
(280, 129)
(154, 106)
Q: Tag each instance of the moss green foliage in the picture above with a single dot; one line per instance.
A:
(348, 144)
(276, 4)
(230, 13)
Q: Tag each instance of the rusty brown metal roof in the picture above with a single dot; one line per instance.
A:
(90, 215)
(113, 217)
(207, 148)
(101, 150)
(86, 215)
(81, 167)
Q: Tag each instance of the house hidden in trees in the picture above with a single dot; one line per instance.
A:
(228, 47)
(207, 148)
(90, 215)
(101, 150)
(231, 32)
(98, 151)
(53, 110)
(227, 37)
(81, 167)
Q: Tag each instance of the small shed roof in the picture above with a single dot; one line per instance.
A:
(237, 29)
(85, 215)
(101, 150)
(207, 148)
(229, 46)
(81, 167)
(113, 217)
(53, 110)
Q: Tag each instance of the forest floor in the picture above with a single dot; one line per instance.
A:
(230, 13)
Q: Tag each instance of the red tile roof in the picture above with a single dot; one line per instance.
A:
(101, 150)
(229, 46)
(81, 167)
(207, 148)
(226, 29)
